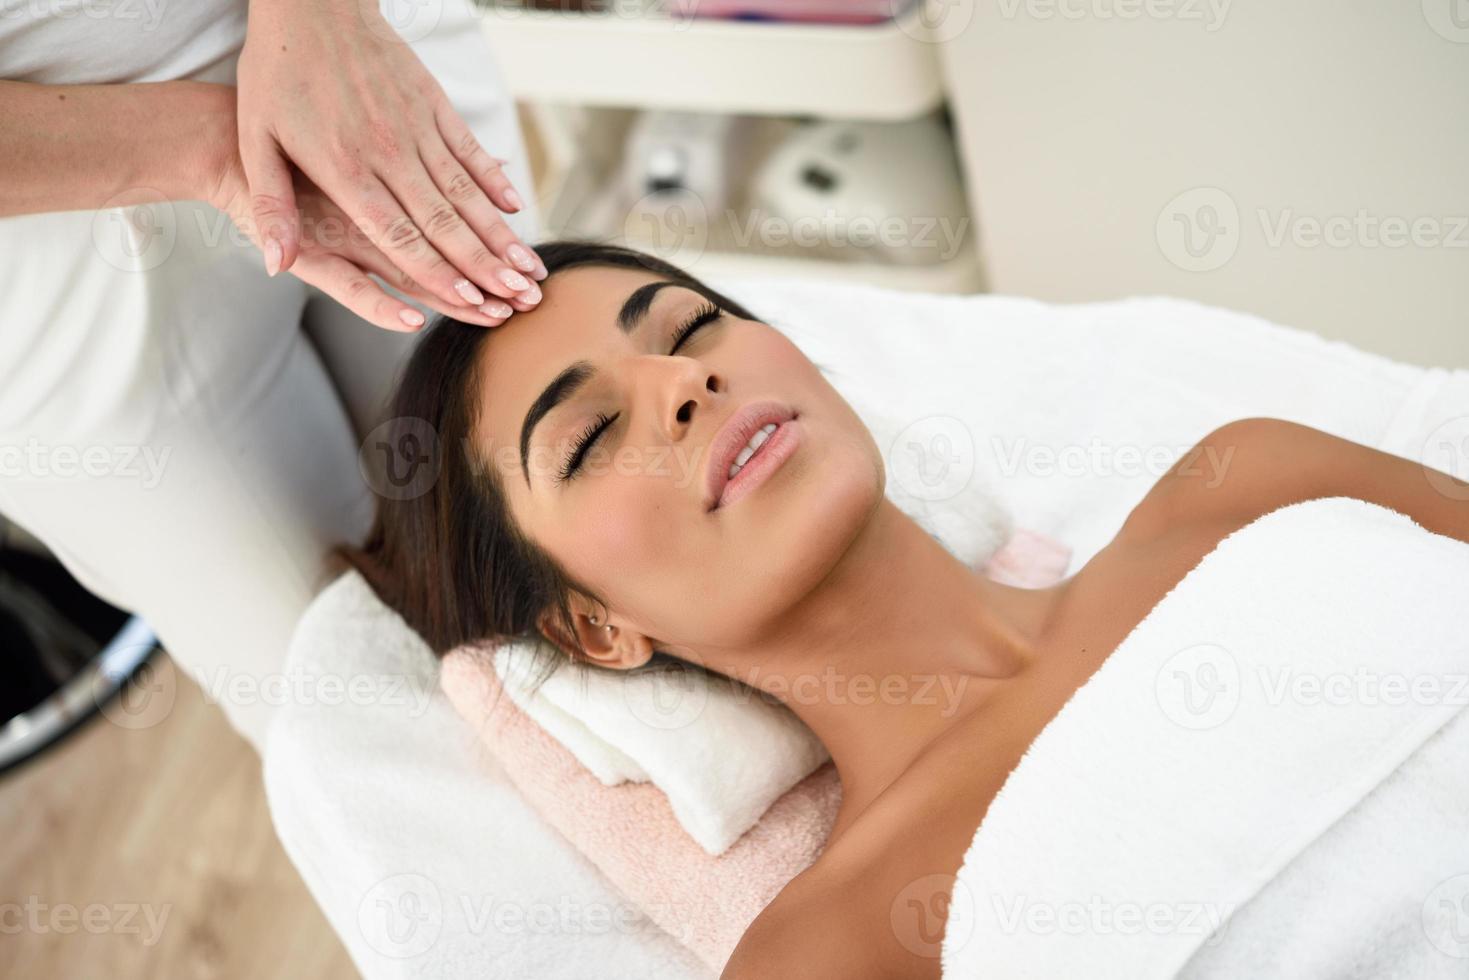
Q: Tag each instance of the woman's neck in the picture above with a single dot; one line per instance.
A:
(894, 644)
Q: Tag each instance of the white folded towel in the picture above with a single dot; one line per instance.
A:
(1268, 778)
(722, 753)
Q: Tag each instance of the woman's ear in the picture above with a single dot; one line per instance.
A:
(598, 640)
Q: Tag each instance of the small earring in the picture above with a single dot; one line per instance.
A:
(592, 620)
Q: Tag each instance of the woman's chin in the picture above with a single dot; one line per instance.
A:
(793, 532)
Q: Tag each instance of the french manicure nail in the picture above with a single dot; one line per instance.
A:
(466, 289)
(496, 308)
(273, 255)
(522, 258)
(411, 317)
(514, 280)
(513, 199)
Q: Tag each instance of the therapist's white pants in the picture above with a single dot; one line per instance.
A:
(183, 431)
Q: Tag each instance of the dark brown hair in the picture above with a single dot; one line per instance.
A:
(443, 549)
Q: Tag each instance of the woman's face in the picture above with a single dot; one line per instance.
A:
(629, 513)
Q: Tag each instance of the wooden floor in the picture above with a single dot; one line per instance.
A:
(149, 853)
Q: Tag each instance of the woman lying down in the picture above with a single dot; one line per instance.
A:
(651, 470)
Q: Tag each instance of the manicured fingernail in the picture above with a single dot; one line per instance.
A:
(531, 295)
(411, 317)
(540, 272)
(522, 258)
(513, 199)
(466, 289)
(274, 256)
(514, 280)
(496, 308)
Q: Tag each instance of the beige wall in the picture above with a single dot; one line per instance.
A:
(1080, 131)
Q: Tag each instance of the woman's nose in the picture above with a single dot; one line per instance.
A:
(681, 388)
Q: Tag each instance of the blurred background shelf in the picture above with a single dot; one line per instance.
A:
(620, 58)
(584, 193)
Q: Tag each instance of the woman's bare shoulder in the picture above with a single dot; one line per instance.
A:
(1251, 466)
(851, 913)
(806, 931)
(1236, 472)
(819, 925)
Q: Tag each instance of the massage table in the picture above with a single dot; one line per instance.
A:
(427, 862)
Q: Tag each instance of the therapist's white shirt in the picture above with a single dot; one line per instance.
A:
(76, 42)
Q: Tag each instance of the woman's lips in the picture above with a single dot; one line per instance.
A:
(721, 490)
(772, 453)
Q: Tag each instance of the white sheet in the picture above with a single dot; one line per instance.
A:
(377, 788)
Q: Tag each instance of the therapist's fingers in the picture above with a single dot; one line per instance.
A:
(349, 285)
(272, 201)
(486, 170)
(375, 210)
(481, 214)
(448, 232)
(491, 313)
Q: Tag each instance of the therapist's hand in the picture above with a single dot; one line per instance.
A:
(334, 254)
(326, 86)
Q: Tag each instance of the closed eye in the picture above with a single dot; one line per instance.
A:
(583, 443)
(705, 314)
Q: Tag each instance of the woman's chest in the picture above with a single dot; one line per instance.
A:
(911, 842)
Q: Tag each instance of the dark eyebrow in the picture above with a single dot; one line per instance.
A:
(636, 306)
(565, 384)
(570, 381)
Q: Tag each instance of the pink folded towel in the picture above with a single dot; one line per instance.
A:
(629, 831)
(1029, 560)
